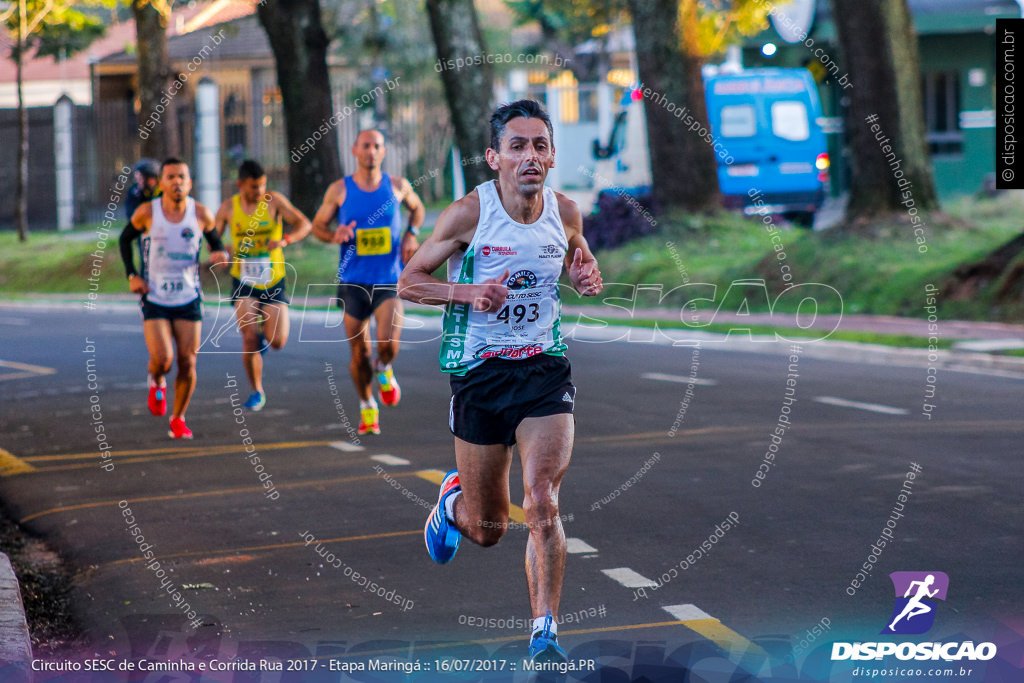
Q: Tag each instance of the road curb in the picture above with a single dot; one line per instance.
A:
(828, 349)
(15, 643)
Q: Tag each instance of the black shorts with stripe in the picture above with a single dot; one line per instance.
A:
(491, 400)
(192, 311)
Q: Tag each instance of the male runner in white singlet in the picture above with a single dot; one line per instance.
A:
(171, 228)
(506, 244)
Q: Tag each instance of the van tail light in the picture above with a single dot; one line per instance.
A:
(822, 164)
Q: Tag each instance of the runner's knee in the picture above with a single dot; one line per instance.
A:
(488, 532)
(540, 508)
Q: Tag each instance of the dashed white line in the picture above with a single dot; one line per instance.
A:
(872, 407)
(679, 379)
(389, 459)
(686, 612)
(108, 327)
(346, 446)
(578, 545)
(628, 578)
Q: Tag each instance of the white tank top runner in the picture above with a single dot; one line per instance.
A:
(171, 257)
(529, 322)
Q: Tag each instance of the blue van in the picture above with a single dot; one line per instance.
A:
(777, 159)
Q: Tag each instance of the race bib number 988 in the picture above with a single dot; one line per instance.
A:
(373, 241)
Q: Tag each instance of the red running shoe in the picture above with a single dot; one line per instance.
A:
(178, 429)
(390, 393)
(157, 400)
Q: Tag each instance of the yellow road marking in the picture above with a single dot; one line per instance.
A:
(26, 370)
(203, 494)
(723, 636)
(263, 548)
(515, 513)
(199, 450)
(12, 464)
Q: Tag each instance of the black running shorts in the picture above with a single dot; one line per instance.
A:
(270, 295)
(192, 311)
(490, 401)
(360, 301)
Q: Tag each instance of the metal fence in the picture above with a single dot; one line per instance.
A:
(105, 140)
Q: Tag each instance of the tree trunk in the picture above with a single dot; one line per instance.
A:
(684, 170)
(884, 120)
(469, 90)
(158, 125)
(21, 189)
(299, 42)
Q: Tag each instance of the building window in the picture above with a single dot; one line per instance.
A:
(234, 122)
(941, 99)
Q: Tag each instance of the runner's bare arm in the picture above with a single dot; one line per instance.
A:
(137, 226)
(208, 224)
(453, 232)
(327, 215)
(292, 216)
(411, 201)
(580, 263)
(222, 219)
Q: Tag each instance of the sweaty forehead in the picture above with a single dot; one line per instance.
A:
(370, 138)
(528, 128)
(173, 170)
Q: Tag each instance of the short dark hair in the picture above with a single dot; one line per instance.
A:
(529, 109)
(171, 161)
(250, 169)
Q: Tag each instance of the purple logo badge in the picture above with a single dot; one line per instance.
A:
(916, 593)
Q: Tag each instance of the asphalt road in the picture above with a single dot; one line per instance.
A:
(656, 473)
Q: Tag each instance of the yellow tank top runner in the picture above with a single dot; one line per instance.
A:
(254, 264)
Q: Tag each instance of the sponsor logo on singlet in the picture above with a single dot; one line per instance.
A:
(523, 279)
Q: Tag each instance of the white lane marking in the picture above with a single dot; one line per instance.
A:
(14, 321)
(578, 545)
(873, 407)
(680, 379)
(985, 345)
(686, 612)
(346, 446)
(389, 459)
(628, 578)
(27, 370)
(107, 327)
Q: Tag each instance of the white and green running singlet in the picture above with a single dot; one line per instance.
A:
(529, 322)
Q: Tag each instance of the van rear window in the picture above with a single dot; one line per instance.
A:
(789, 120)
(738, 121)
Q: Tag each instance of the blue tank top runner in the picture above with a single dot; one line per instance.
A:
(373, 255)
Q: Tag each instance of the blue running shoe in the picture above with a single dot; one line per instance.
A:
(256, 401)
(544, 646)
(440, 535)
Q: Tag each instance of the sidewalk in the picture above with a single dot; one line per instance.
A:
(975, 346)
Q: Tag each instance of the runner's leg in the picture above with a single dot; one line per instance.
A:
(157, 332)
(247, 311)
(481, 512)
(358, 332)
(276, 325)
(187, 335)
(545, 447)
(389, 329)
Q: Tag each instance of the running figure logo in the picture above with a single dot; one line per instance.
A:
(914, 612)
